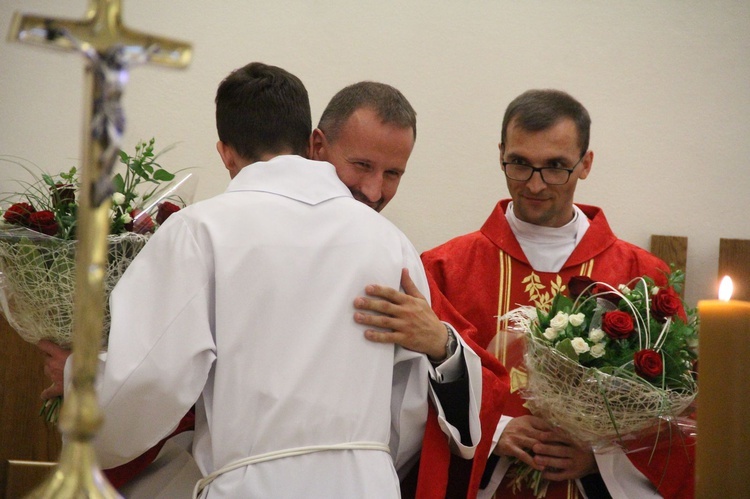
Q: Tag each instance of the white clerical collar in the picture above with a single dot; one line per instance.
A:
(548, 248)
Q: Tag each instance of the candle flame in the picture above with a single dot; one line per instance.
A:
(725, 288)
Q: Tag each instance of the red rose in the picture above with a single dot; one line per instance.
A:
(578, 284)
(648, 364)
(142, 222)
(19, 214)
(44, 222)
(666, 303)
(165, 210)
(617, 324)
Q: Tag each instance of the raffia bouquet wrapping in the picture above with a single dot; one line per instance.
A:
(608, 364)
(595, 407)
(38, 241)
(37, 281)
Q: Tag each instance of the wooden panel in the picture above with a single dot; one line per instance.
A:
(734, 261)
(21, 477)
(24, 435)
(673, 250)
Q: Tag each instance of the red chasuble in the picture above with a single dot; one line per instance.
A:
(441, 474)
(485, 274)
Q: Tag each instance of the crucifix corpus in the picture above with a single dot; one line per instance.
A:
(110, 49)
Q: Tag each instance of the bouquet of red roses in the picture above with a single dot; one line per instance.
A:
(606, 363)
(37, 240)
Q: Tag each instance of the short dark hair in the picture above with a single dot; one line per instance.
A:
(388, 102)
(536, 110)
(263, 109)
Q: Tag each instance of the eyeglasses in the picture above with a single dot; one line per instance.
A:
(551, 175)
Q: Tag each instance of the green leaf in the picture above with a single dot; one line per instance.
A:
(48, 180)
(565, 347)
(163, 175)
(119, 183)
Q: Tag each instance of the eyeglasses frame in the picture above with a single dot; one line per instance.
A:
(534, 169)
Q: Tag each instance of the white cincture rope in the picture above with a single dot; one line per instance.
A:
(296, 451)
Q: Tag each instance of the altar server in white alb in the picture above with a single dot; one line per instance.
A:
(242, 304)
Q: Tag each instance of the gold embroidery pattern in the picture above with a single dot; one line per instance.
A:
(518, 379)
(503, 304)
(537, 292)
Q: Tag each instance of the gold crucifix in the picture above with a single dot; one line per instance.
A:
(111, 50)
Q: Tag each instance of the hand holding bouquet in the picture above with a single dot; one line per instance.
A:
(37, 240)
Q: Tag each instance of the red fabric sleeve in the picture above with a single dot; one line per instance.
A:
(435, 457)
(124, 473)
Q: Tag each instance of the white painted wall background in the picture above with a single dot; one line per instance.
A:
(667, 83)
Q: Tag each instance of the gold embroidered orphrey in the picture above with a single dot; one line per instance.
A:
(110, 49)
(539, 295)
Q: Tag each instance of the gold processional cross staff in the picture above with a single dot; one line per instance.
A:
(110, 49)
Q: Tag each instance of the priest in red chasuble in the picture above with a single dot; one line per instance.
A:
(525, 253)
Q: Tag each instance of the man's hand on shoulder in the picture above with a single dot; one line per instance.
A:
(409, 317)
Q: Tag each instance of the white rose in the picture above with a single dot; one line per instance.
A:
(580, 345)
(596, 335)
(559, 321)
(597, 350)
(118, 198)
(126, 218)
(576, 319)
(551, 333)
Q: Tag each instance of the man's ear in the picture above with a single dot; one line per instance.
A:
(318, 145)
(228, 157)
(586, 162)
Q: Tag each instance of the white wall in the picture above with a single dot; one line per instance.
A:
(667, 84)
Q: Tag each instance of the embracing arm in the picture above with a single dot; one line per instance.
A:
(408, 316)
(412, 324)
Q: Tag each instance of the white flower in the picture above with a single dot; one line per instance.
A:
(624, 289)
(559, 321)
(596, 335)
(126, 218)
(118, 198)
(580, 345)
(654, 290)
(597, 350)
(551, 333)
(576, 319)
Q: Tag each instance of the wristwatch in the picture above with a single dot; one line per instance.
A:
(450, 346)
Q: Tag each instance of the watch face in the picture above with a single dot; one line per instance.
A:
(452, 343)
